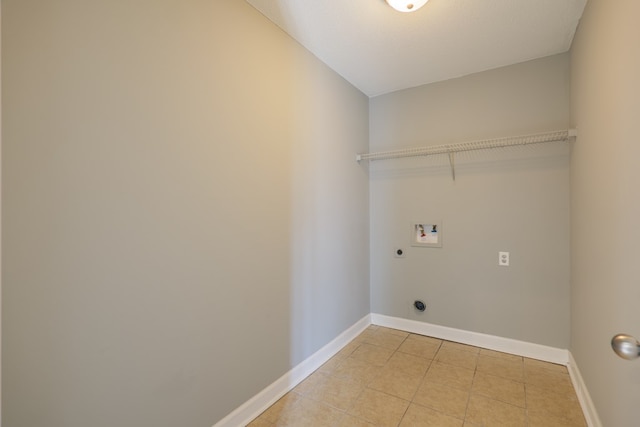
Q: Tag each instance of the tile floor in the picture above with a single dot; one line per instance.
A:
(387, 377)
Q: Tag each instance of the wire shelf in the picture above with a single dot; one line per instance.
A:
(451, 149)
(539, 138)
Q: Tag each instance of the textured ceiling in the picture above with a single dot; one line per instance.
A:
(380, 50)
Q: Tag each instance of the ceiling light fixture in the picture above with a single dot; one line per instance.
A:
(406, 5)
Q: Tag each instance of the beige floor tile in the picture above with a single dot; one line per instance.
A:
(560, 403)
(309, 413)
(387, 338)
(533, 363)
(369, 331)
(282, 406)
(498, 388)
(372, 354)
(548, 379)
(364, 335)
(408, 364)
(442, 398)
(546, 420)
(347, 350)
(379, 408)
(418, 345)
(488, 413)
(426, 339)
(337, 392)
(313, 382)
(509, 369)
(419, 416)
(458, 346)
(259, 422)
(396, 332)
(453, 376)
(351, 421)
(330, 365)
(396, 383)
(457, 357)
(357, 370)
(500, 355)
(427, 382)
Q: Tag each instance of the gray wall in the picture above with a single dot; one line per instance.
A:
(605, 206)
(514, 200)
(178, 178)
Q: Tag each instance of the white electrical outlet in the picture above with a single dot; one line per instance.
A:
(503, 259)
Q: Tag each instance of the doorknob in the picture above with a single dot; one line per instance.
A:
(626, 346)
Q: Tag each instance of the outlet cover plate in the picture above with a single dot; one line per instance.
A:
(503, 259)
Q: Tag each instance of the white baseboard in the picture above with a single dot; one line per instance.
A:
(267, 397)
(588, 408)
(491, 342)
(507, 345)
(270, 395)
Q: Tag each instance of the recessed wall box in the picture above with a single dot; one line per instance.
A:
(426, 234)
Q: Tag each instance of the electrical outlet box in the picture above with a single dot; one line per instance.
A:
(503, 259)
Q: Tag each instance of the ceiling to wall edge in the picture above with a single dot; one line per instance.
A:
(379, 50)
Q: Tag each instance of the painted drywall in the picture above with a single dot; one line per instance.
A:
(605, 207)
(0, 216)
(184, 217)
(514, 200)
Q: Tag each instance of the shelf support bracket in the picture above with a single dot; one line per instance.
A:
(452, 163)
